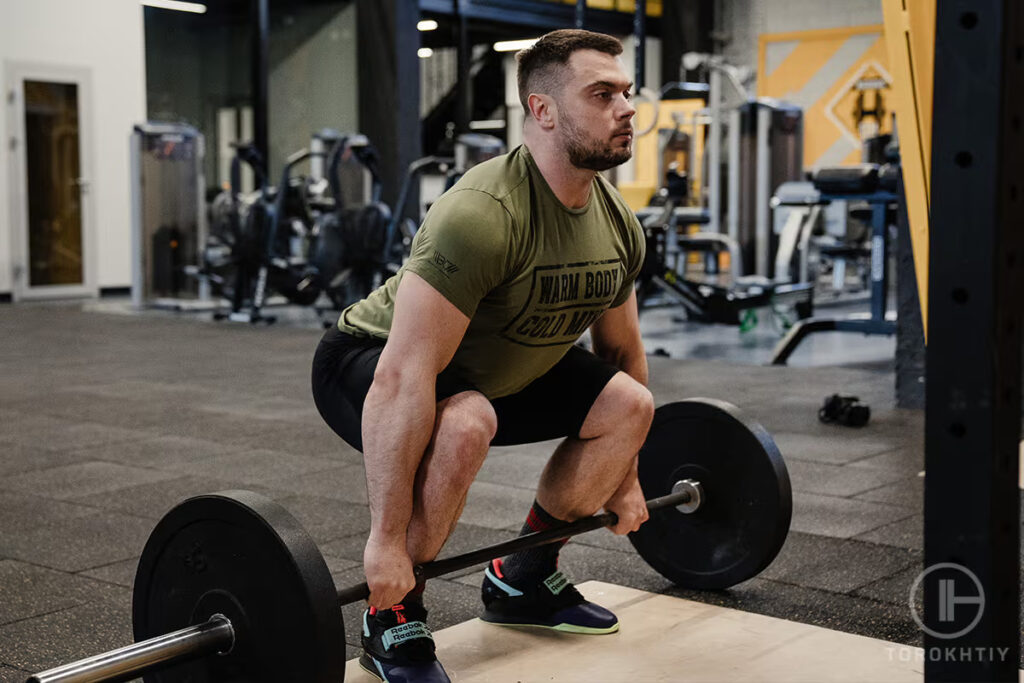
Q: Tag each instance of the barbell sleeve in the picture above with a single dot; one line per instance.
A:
(429, 570)
(216, 635)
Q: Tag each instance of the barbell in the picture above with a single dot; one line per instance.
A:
(231, 588)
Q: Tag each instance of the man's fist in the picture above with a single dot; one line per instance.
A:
(388, 570)
(629, 505)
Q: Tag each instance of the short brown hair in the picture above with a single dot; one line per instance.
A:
(539, 64)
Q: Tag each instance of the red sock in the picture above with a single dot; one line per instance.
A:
(540, 561)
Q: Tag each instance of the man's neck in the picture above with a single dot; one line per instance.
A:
(570, 184)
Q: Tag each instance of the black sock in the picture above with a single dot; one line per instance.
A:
(416, 593)
(540, 561)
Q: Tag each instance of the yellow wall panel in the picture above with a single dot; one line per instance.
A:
(829, 122)
(820, 73)
(654, 7)
(852, 158)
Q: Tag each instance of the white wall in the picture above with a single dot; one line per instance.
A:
(105, 37)
(744, 20)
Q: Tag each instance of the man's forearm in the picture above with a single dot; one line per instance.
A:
(398, 420)
(631, 476)
(633, 361)
(635, 365)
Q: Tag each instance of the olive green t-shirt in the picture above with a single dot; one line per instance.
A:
(530, 273)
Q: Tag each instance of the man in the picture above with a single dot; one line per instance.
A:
(472, 344)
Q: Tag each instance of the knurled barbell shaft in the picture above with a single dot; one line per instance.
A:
(211, 637)
(429, 570)
(216, 635)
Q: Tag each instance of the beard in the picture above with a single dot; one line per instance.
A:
(588, 153)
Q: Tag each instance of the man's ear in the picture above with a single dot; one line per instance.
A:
(543, 110)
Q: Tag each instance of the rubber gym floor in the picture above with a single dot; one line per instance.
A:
(107, 419)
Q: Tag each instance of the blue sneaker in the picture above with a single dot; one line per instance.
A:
(398, 646)
(552, 603)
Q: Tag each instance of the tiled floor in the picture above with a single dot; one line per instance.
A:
(107, 420)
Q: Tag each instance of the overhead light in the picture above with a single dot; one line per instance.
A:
(427, 25)
(488, 124)
(194, 7)
(424, 52)
(514, 45)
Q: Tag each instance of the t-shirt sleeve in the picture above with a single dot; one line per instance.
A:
(637, 250)
(462, 248)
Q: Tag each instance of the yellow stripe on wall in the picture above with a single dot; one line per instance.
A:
(802, 63)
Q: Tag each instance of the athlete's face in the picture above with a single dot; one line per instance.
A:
(595, 111)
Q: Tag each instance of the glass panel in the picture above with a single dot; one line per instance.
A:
(54, 197)
(197, 64)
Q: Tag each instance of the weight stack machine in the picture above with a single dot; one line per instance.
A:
(168, 217)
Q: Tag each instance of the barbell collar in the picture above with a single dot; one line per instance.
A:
(696, 495)
(429, 570)
(214, 636)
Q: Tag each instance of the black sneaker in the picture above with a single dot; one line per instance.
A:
(552, 603)
(398, 646)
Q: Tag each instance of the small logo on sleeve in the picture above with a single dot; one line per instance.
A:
(443, 264)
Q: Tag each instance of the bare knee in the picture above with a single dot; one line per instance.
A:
(638, 403)
(623, 404)
(469, 417)
(466, 424)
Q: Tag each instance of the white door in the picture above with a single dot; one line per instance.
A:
(51, 204)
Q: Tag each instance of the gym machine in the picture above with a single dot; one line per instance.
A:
(444, 171)
(168, 217)
(863, 183)
(765, 148)
(311, 235)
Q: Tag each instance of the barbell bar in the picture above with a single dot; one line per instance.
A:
(214, 636)
(234, 574)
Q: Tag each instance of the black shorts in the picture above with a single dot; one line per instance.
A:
(554, 405)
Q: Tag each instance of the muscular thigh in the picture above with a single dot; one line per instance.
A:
(556, 404)
(343, 369)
